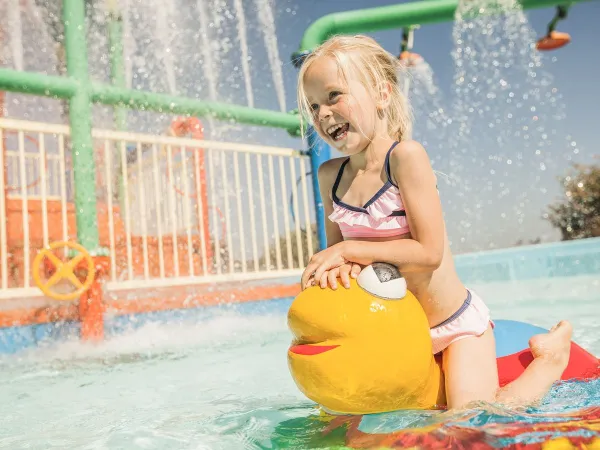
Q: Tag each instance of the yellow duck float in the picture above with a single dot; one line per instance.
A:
(366, 349)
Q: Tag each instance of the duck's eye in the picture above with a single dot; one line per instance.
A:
(383, 280)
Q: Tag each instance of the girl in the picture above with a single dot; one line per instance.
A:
(384, 206)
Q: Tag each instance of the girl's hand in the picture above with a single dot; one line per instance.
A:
(344, 273)
(325, 260)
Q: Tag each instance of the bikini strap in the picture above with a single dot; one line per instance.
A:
(387, 164)
(337, 180)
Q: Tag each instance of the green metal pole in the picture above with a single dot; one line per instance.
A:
(15, 81)
(36, 84)
(393, 16)
(130, 98)
(80, 117)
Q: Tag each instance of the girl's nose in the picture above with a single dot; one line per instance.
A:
(324, 112)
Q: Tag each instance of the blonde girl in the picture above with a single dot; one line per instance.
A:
(383, 205)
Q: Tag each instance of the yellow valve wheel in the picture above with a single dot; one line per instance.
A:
(64, 271)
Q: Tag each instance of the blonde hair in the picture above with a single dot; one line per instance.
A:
(363, 59)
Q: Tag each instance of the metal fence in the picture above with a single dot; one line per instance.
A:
(170, 211)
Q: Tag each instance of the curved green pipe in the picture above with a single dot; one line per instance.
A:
(393, 16)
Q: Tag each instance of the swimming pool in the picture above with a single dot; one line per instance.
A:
(218, 379)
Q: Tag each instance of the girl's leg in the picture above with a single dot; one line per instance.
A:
(471, 372)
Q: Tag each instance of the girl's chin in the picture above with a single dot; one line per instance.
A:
(349, 145)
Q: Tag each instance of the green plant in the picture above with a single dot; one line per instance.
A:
(578, 214)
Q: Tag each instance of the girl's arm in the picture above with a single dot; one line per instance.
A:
(327, 173)
(326, 176)
(416, 181)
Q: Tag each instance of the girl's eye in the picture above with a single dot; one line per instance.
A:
(314, 107)
(333, 95)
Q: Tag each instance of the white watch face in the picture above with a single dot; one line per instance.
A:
(382, 280)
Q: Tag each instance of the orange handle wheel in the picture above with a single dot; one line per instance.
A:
(64, 270)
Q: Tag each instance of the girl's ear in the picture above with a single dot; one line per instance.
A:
(385, 95)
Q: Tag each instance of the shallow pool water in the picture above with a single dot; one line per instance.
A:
(222, 382)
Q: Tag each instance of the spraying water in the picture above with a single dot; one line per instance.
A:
(208, 62)
(165, 27)
(239, 11)
(129, 46)
(504, 127)
(15, 33)
(430, 109)
(265, 15)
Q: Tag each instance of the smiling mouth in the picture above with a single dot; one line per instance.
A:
(338, 131)
(309, 349)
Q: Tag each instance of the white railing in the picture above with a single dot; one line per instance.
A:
(171, 211)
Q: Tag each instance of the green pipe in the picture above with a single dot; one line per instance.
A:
(181, 105)
(37, 84)
(392, 16)
(80, 114)
(64, 87)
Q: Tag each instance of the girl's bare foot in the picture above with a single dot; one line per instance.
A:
(551, 353)
(553, 348)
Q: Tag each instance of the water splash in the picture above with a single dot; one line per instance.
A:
(432, 114)
(129, 45)
(499, 140)
(506, 122)
(265, 15)
(209, 66)
(221, 381)
(245, 59)
(165, 33)
(15, 33)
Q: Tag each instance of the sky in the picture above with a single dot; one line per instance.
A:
(527, 124)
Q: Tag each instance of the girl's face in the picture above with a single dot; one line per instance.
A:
(344, 113)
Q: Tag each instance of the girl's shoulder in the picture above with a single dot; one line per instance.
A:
(407, 152)
(408, 149)
(409, 159)
(329, 169)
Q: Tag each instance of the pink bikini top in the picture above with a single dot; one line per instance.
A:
(382, 216)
